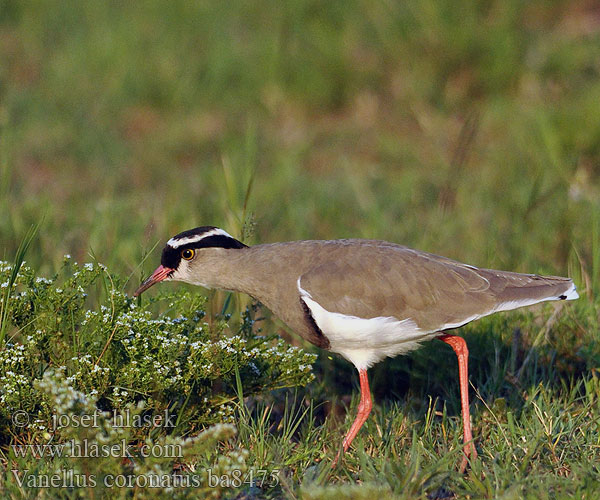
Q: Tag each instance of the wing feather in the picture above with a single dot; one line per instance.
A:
(395, 281)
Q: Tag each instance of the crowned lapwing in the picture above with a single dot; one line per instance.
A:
(363, 299)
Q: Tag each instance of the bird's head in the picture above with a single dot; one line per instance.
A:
(183, 255)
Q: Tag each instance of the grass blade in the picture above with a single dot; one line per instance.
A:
(19, 259)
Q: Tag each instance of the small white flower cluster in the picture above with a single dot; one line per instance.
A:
(12, 386)
(38, 425)
(226, 413)
(153, 348)
(88, 373)
(66, 399)
(292, 363)
(12, 356)
(119, 395)
(217, 432)
(88, 267)
(231, 345)
(14, 363)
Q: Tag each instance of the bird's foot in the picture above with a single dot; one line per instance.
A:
(469, 455)
(337, 458)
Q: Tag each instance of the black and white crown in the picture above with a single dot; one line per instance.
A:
(199, 237)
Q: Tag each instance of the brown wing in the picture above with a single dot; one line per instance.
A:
(399, 282)
(436, 292)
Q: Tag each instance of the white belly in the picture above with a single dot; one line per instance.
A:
(365, 341)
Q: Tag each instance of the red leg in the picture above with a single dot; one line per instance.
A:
(459, 346)
(364, 408)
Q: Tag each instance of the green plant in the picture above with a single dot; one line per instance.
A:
(64, 359)
(6, 287)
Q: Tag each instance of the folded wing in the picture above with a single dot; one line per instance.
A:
(435, 292)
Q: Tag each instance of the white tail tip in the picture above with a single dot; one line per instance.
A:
(570, 294)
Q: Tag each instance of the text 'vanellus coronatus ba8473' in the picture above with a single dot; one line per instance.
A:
(363, 299)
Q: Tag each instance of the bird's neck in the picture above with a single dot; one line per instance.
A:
(241, 270)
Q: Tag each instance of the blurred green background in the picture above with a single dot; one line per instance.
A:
(469, 129)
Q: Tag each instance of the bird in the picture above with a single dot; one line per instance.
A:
(363, 299)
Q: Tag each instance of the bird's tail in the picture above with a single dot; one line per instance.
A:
(513, 290)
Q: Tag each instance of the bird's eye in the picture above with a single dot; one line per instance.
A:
(188, 254)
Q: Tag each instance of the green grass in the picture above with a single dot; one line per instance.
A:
(465, 129)
(19, 258)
